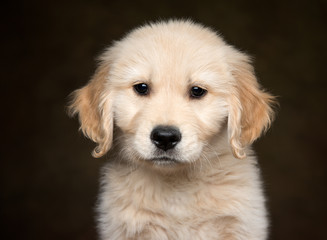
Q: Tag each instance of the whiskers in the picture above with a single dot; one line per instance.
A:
(210, 155)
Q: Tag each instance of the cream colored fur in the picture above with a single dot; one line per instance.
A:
(213, 190)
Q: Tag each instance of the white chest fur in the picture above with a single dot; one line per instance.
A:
(220, 203)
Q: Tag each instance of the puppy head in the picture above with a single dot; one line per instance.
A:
(169, 88)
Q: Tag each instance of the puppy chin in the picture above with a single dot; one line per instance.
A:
(164, 166)
(164, 160)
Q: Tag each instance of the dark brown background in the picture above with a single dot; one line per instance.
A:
(49, 181)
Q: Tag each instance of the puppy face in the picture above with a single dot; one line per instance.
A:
(169, 88)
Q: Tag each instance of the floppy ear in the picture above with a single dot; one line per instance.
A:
(251, 110)
(93, 106)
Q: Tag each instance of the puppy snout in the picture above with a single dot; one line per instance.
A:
(165, 137)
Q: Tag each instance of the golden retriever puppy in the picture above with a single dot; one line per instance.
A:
(178, 108)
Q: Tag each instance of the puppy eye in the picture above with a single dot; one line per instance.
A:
(197, 92)
(141, 88)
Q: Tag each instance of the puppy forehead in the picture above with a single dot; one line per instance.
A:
(170, 51)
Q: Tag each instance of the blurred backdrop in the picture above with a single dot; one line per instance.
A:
(49, 181)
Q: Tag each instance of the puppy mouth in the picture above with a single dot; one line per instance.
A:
(164, 161)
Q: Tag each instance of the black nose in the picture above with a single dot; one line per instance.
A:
(165, 137)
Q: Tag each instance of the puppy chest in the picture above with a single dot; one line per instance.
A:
(154, 200)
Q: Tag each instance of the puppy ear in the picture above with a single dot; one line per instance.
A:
(251, 110)
(93, 107)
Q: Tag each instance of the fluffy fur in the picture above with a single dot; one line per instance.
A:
(212, 189)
